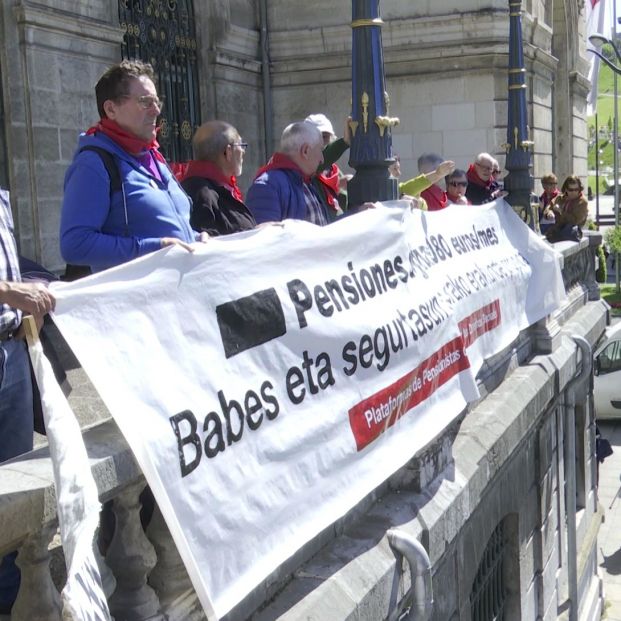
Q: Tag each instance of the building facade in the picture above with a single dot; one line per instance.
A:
(261, 65)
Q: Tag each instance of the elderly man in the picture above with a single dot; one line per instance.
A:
(121, 200)
(16, 414)
(211, 180)
(482, 187)
(282, 188)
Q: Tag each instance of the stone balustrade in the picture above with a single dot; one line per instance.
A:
(144, 578)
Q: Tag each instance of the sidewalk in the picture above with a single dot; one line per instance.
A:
(609, 540)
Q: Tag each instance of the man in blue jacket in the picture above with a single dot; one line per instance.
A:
(282, 188)
(103, 225)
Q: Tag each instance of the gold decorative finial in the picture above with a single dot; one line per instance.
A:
(383, 122)
(365, 111)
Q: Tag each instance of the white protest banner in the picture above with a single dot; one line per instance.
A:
(82, 596)
(270, 380)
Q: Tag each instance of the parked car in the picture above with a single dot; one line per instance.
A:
(607, 369)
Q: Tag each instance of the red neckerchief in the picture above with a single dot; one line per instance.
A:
(330, 182)
(546, 198)
(128, 142)
(178, 169)
(280, 161)
(435, 198)
(473, 177)
(202, 168)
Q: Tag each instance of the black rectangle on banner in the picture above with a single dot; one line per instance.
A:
(250, 321)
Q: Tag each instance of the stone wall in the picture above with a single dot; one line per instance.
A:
(50, 60)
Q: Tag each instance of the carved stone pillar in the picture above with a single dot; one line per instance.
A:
(169, 577)
(131, 557)
(590, 281)
(38, 599)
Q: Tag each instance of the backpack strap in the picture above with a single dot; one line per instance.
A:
(110, 164)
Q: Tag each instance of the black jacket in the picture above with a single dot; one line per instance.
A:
(214, 209)
(480, 194)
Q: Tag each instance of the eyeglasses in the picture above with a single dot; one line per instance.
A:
(146, 101)
(458, 183)
(549, 184)
(573, 189)
(483, 167)
(242, 145)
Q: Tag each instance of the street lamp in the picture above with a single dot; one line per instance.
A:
(519, 181)
(371, 126)
(597, 40)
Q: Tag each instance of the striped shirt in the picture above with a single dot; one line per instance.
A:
(314, 208)
(10, 318)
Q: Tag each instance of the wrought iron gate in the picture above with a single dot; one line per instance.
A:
(487, 598)
(162, 33)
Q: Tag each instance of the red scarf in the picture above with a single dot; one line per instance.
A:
(546, 198)
(435, 198)
(202, 168)
(280, 161)
(330, 182)
(128, 142)
(473, 177)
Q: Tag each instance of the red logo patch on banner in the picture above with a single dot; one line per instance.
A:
(481, 321)
(371, 417)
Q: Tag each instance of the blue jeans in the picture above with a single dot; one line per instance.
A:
(16, 434)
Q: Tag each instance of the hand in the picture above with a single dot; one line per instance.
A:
(446, 168)
(343, 181)
(415, 203)
(368, 205)
(173, 241)
(347, 131)
(29, 297)
(264, 225)
(203, 237)
(500, 194)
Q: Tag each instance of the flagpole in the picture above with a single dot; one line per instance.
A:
(596, 167)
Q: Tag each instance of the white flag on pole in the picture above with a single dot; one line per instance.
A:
(78, 503)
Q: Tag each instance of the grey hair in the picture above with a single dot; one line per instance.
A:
(428, 162)
(297, 134)
(209, 147)
(487, 157)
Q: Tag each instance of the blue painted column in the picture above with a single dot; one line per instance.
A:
(371, 146)
(519, 181)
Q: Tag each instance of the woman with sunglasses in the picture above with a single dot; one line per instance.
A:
(456, 184)
(570, 210)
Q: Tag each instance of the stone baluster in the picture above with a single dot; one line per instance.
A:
(131, 557)
(169, 577)
(38, 599)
